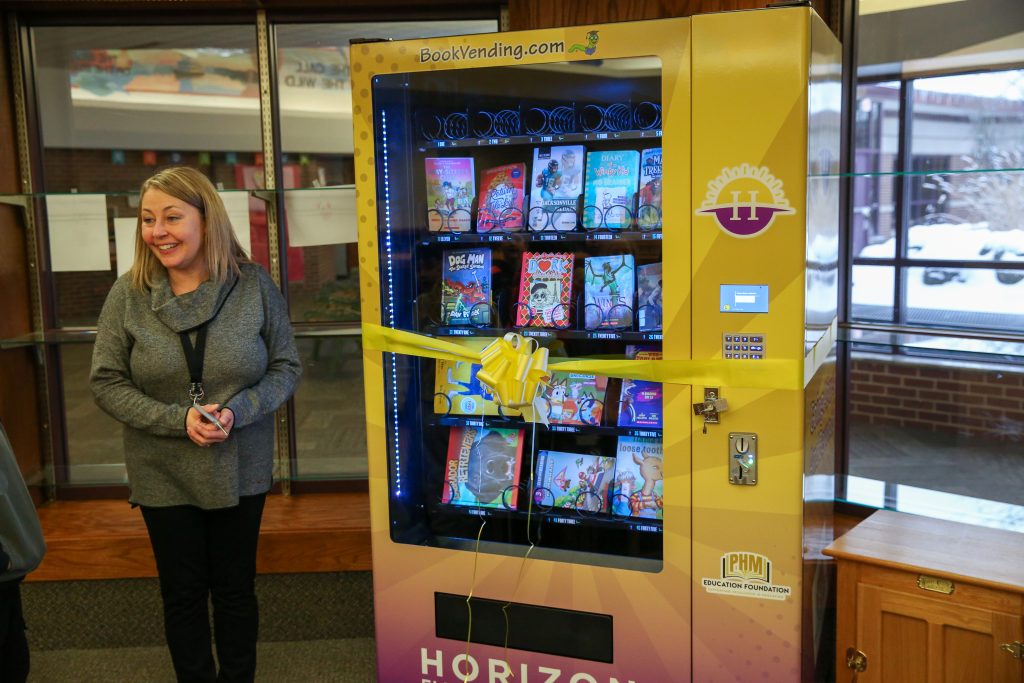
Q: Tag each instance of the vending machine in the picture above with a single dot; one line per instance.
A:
(598, 296)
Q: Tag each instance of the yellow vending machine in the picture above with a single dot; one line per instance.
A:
(598, 295)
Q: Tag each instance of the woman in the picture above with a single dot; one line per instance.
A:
(193, 327)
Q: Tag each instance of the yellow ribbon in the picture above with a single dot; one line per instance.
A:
(762, 374)
(514, 374)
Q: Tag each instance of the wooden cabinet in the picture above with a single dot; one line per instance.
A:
(929, 601)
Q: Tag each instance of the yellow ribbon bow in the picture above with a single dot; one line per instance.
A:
(514, 369)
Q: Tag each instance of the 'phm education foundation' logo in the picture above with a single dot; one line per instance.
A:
(747, 575)
(745, 200)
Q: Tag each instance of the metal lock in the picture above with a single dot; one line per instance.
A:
(711, 407)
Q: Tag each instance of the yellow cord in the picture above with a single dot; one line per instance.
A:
(469, 607)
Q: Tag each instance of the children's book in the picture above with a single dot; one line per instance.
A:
(576, 398)
(648, 297)
(501, 198)
(611, 182)
(545, 290)
(450, 193)
(638, 487)
(640, 400)
(608, 288)
(483, 466)
(557, 183)
(466, 287)
(573, 480)
(457, 391)
(648, 212)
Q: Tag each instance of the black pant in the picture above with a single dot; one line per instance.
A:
(13, 644)
(202, 554)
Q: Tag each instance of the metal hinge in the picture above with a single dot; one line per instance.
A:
(1016, 649)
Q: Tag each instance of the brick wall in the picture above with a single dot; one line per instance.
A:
(938, 396)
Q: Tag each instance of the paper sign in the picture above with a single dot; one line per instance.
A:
(124, 242)
(237, 205)
(322, 216)
(78, 232)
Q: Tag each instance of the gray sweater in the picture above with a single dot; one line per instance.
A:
(140, 377)
(21, 537)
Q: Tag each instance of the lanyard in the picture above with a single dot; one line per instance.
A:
(194, 356)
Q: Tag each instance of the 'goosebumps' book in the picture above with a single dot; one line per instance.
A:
(608, 291)
(501, 198)
(612, 179)
(576, 398)
(640, 400)
(574, 480)
(483, 466)
(457, 391)
(450, 192)
(648, 212)
(557, 184)
(466, 287)
(648, 297)
(637, 491)
(545, 289)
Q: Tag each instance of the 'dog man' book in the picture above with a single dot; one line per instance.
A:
(450, 193)
(639, 474)
(573, 480)
(545, 290)
(482, 467)
(466, 287)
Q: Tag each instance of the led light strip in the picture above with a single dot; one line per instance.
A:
(391, 301)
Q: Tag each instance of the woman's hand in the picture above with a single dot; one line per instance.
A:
(205, 433)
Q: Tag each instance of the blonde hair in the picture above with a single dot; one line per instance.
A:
(221, 249)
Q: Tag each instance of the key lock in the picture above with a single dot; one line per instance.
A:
(713, 405)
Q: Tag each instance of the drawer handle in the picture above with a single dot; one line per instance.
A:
(935, 585)
(1016, 649)
(856, 660)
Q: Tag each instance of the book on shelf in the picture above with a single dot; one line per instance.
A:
(457, 391)
(466, 286)
(648, 297)
(482, 467)
(611, 183)
(608, 289)
(575, 398)
(545, 290)
(638, 488)
(573, 480)
(640, 401)
(502, 190)
(557, 177)
(648, 212)
(450, 192)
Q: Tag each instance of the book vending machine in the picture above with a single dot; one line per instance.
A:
(598, 275)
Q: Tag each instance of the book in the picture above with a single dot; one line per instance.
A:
(573, 480)
(466, 287)
(457, 391)
(576, 398)
(557, 177)
(483, 466)
(450, 193)
(611, 182)
(502, 190)
(545, 290)
(608, 289)
(648, 297)
(648, 212)
(638, 489)
(640, 400)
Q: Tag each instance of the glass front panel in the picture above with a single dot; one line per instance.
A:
(95, 448)
(871, 293)
(527, 199)
(876, 147)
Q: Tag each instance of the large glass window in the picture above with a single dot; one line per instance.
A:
(117, 103)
